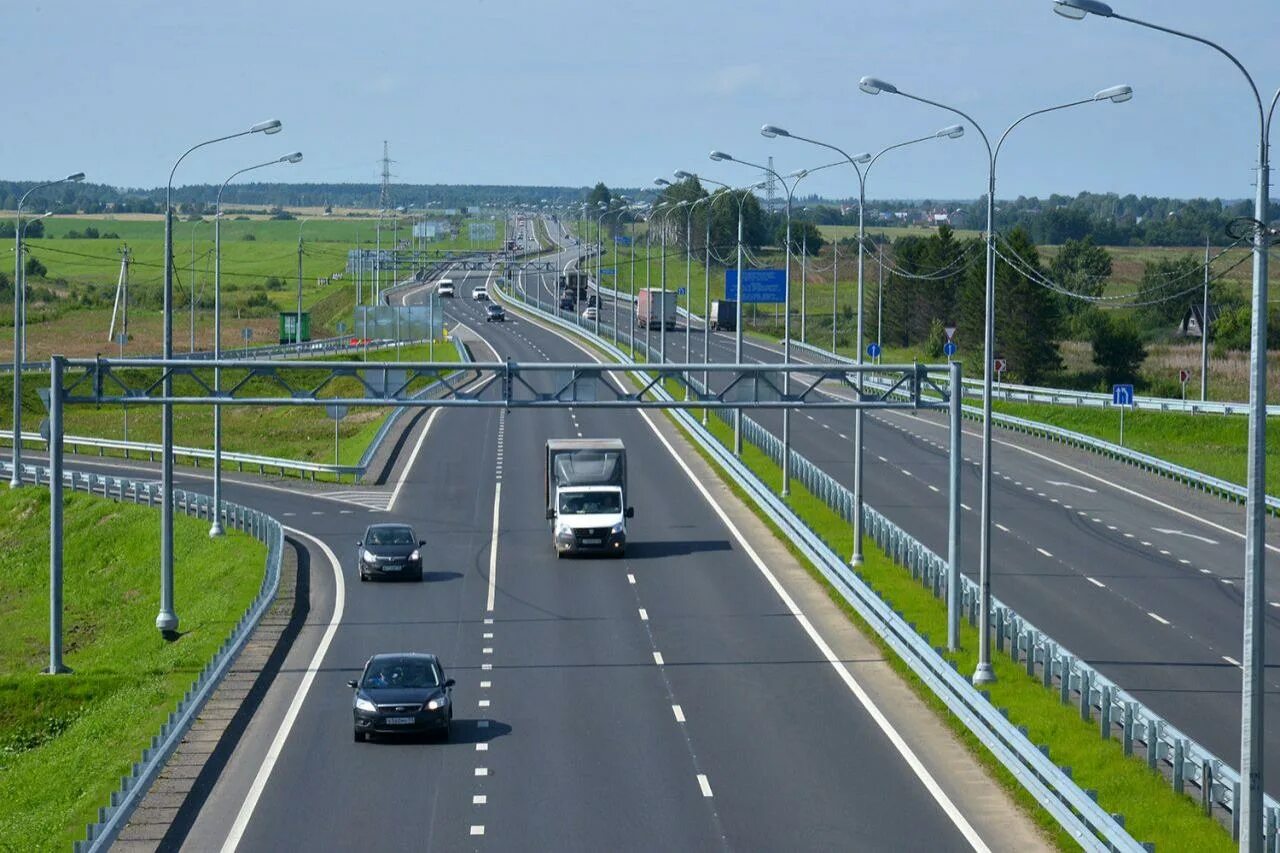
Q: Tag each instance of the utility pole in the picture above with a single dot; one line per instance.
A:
(297, 326)
(1204, 329)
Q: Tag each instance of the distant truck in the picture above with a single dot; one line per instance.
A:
(576, 282)
(724, 315)
(655, 307)
(586, 491)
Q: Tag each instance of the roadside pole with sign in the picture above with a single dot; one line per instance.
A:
(1184, 376)
(336, 413)
(1122, 397)
(999, 365)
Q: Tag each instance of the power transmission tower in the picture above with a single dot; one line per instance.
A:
(770, 187)
(384, 197)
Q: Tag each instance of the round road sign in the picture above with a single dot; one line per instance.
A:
(873, 350)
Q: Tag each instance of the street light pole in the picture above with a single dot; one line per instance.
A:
(20, 326)
(706, 273)
(857, 162)
(167, 619)
(215, 529)
(1251, 698)
(984, 674)
(297, 326)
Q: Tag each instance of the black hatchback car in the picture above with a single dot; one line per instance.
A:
(495, 313)
(389, 551)
(402, 693)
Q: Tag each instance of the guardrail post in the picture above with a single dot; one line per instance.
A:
(1086, 691)
(1065, 684)
(1104, 726)
(1032, 638)
(1179, 766)
(1206, 787)
(1235, 811)
(1050, 649)
(1153, 744)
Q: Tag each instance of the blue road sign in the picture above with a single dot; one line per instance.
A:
(1122, 395)
(758, 285)
(622, 240)
(948, 348)
(873, 350)
(680, 291)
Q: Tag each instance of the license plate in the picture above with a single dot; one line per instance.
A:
(399, 721)
(592, 542)
(391, 567)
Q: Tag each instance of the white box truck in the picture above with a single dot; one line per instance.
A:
(586, 491)
(655, 307)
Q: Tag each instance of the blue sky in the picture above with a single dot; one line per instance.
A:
(563, 92)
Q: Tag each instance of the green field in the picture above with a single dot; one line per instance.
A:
(66, 740)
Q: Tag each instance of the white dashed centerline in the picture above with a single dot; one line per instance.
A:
(704, 784)
(1095, 582)
(1158, 618)
(657, 658)
(679, 712)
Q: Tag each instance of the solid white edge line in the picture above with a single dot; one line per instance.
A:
(404, 473)
(269, 760)
(886, 727)
(493, 549)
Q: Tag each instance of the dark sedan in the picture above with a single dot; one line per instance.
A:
(494, 313)
(400, 694)
(389, 551)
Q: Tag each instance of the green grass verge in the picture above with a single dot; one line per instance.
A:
(66, 740)
(1153, 811)
(1211, 444)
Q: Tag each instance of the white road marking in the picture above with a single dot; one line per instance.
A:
(905, 471)
(404, 472)
(631, 578)
(485, 685)
(479, 799)
(1231, 660)
(644, 615)
(934, 488)
(1206, 571)
(704, 784)
(1173, 532)
(1067, 485)
(482, 747)
(482, 771)
(657, 658)
(269, 760)
(1184, 562)
(1158, 618)
(488, 635)
(1044, 552)
(493, 550)
(882, 459)
(486, 666)
(966, 506)
(477, 829)
(679, 712)
(1095, 582)
(1002, 527)
(1228, 581)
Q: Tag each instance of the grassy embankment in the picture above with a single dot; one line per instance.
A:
(66, 740)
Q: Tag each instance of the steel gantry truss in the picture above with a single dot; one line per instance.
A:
(506, 385)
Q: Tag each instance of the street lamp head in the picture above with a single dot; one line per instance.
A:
(1115, 94)
(662, 182)
(684, 176)
(77, 177)
(295, 157)
(267, 127)
(769, 131)
(798, 174)
(955, 131)
(864, 157)
(720, 155)
(1077, 9)
(874, 86)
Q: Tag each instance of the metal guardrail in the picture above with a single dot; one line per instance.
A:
(1077, 812)
(1084, 399)
(262, 463)
(266, 529)
(1144, 461)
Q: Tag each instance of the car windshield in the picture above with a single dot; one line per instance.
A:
(401, 673)
(590, 503)
(389, 536)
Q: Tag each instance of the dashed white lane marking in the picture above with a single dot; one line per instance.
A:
(479, 799)
(287, 514)
(704, 784)
(1095, 582)
(1206, 571)
(1158, 618)
(486, 666)
(345, 511)
(1129, 536)
(644, 615)
(488, 635)
(1002, 527)
(1044, 552)
(485, 685)
(906, 472)
(934, 488)
(482, 771)
(631, 578)
(488, 650)
(1231, 660)
(493, 548)
(966, 506)
(882, 459)
(1274, 603)
(657, 658)
(482, 747)
(679, 712)
(477, 829)
(1184, 562)
(1228, 581)
(488, 620)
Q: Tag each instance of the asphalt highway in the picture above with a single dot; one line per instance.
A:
(1141, 577)
(669, 699)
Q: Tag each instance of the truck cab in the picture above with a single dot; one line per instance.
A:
(586, 491)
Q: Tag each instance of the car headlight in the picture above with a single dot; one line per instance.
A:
(415, 556)
(563, 529)
(437, 703)
(617, 528)
(363, 704)
(368, 557)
